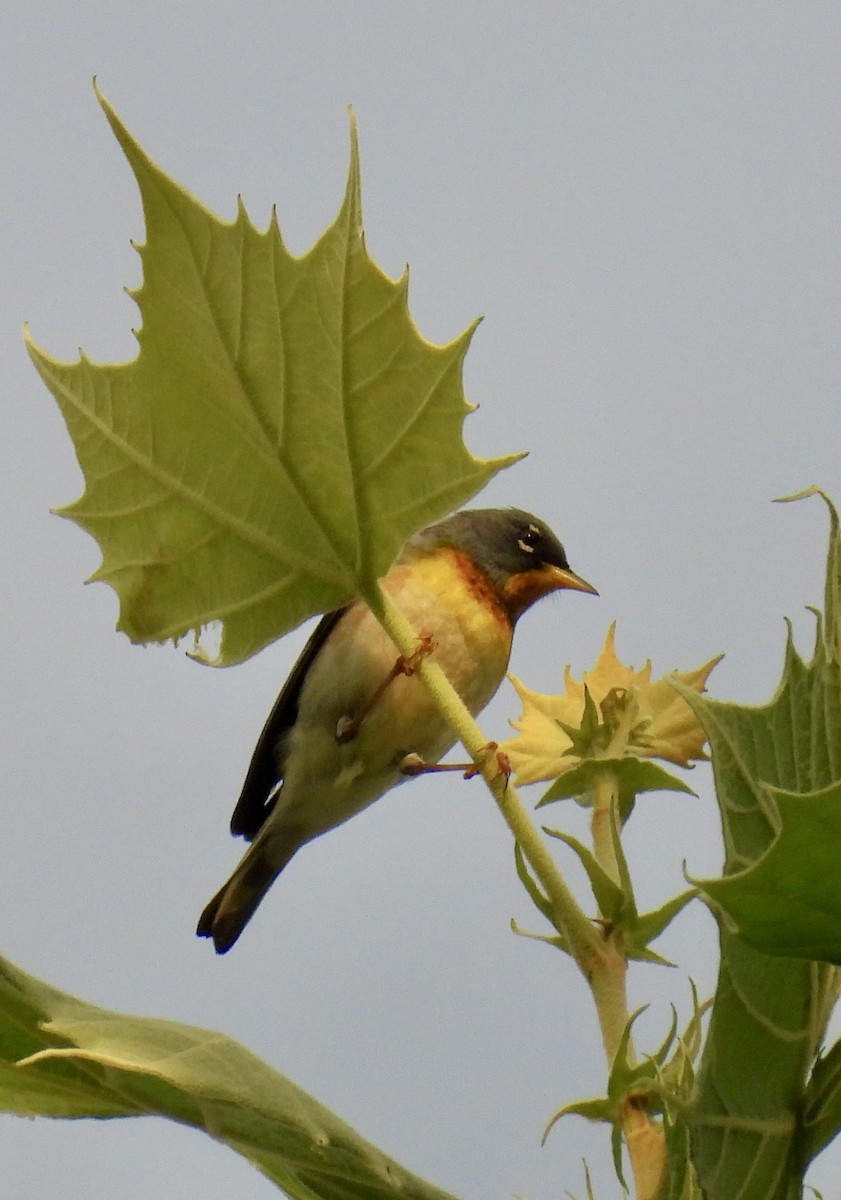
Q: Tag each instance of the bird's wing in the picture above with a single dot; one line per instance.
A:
(256, 800)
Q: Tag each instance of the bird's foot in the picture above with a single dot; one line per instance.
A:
(503, 762)
(348, 727)
(413, 764)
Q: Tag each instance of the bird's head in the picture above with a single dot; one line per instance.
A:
(517, 552)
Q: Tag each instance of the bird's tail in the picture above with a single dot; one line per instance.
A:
(236, 902)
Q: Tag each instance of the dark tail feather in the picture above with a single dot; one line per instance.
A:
(235, 904)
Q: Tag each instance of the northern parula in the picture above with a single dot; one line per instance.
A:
(349, 715)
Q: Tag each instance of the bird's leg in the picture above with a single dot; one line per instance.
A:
(348, 727)
(413, 764)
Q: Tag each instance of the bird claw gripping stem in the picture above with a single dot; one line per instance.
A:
(413, 764)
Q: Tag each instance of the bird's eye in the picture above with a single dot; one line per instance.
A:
(530, 539)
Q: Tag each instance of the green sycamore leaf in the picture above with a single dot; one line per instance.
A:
(61, 1057)
(789, 901)
(281, 433)
(780, 762)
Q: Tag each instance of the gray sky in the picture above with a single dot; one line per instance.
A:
(645, 203)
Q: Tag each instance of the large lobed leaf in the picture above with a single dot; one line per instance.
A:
(61, 1057)
(282, 431)
(789, 901)
(758, 1118)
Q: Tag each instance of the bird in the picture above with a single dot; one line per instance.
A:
(353, 719)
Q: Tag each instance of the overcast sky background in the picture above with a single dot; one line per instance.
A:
(644, 201)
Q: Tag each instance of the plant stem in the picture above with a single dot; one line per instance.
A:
(644, 1137)
(600, 958)
(604, 795)
(608, 984)
(584, 939)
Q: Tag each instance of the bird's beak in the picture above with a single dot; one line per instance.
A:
(564, 578)
(521, 590)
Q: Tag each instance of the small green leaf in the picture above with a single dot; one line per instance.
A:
(626, 1076)
(648, 927)
(61, 1057)
(677, 1075)
(822, 1113)
(556, 940)
(590, 735)
(591, 1110)
(832, 586)
(617, 903)
(659, 1056)
(609, 896)
(682, 1181)
(541, 903)
(281, 433)
(633, 775)
(538, 899)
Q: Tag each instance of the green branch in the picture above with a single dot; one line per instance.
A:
(584, 940)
